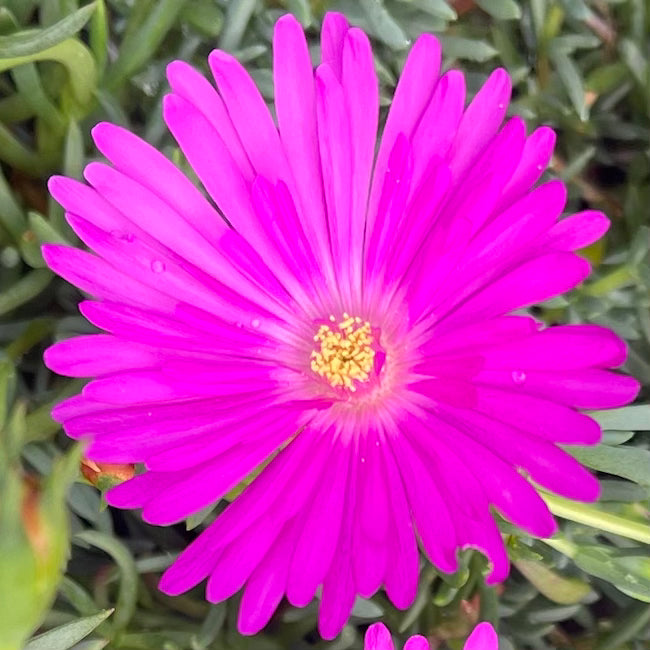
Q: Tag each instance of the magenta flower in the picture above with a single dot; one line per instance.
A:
(378, 638)
(349, 325)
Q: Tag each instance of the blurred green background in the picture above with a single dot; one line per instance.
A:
(74, 574)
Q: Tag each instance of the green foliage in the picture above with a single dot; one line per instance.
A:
(581, 66)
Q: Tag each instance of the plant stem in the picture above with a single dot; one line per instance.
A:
(592, 516)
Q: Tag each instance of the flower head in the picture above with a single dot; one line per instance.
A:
(378, 638)
(348, 326)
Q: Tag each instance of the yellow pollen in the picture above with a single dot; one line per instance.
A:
(346, 353)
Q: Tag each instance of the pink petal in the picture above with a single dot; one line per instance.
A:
(584, 389)
(192, 86)
(98, 354)
(417, 642)
(250, 116)
(401, 581)
(241, 557)
(378, 638)
(98, 278)
(562, 347)
(414, 88)
(265, 587)
(144, 164)
(295, 104)
(335, 27)
(432, 518)
(482, 638)
(534, 160)
(532, 282)
(577, 231)
(480, 121)
(316, 545)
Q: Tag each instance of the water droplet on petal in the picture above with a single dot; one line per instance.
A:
(255, 323)
(501, 104)
(540, 167)
(157, 266)
(518, 376)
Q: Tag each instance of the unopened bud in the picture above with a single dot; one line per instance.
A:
(106, 475)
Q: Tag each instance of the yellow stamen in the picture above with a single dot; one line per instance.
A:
(345, 356)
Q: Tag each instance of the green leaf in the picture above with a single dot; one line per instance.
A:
(383, 25)
(139, 45)
(65, 636)
(98, 36)
(45, 231)
(73, 153)
(72, 54)
(437, 8)
(33, 41)
(501, 9)
(11, 216)
(205, 17)
(458, 47)
(629, 418)
(556, 587)
(23, 290)
(237, 18)
(630, 462)
(629, 574)
(302, 11)
(127, 594)
(572, 81)
(210, 627)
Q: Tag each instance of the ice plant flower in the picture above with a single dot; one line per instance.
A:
(340, 314)
(378, 638)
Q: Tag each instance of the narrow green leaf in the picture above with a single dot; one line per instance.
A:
(630, 462)
(77, 596)
(11, 216)
(14, 152)
(7, 387)
(556, 587)
(205, 17)
(301, 9)
(72, 54)
(635, 60)
(28, 84)
(501, 9)
(437, 8)
(458, 47)
(98, 36)
(127, 594)
(629, 418)
(139, 46)
(634, 621)
(65, 636)
(383, 25)
(572, 81)
(8, 22)
(73, 152)
(238, 16)
(602, 562)
(33, 41)
(25, 289)
(45, 231)
(210, 627)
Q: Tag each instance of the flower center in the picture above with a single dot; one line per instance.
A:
(345, 354)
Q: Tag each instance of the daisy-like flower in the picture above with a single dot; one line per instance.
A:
(338, 316)
(378, 637)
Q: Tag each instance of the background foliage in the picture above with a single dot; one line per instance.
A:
(581, 66)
